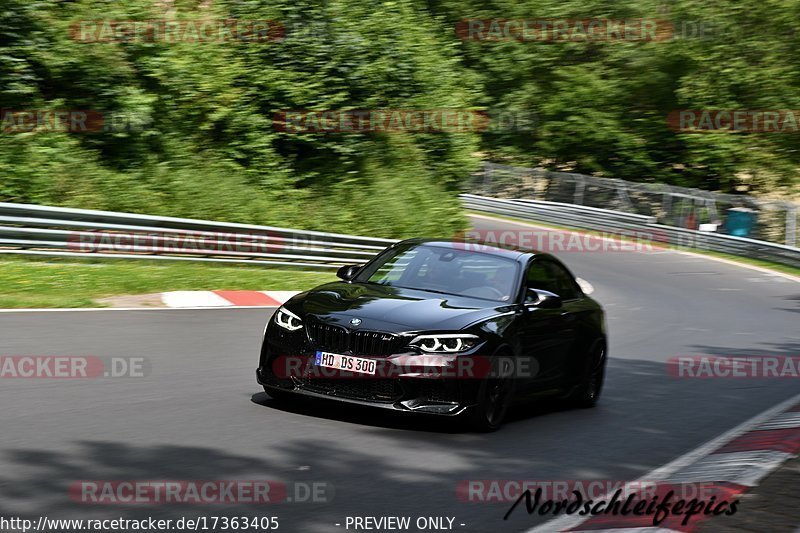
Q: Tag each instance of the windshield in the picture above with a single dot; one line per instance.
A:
(445, 270)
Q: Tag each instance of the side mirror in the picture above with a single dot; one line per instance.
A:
(348, 272)
(542, 299)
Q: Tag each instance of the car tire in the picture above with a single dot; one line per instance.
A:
(588, 390)
(494, 399)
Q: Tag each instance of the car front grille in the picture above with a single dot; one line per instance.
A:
(328, 337)
(373, 343)
(370, 390)
(436, 391)
(339, 339)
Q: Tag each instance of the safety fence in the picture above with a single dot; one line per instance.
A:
(65, 232)
(633, 225)
(741, 215)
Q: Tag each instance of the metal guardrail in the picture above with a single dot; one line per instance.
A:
(772, 220)
(627, 224)
(65, 232)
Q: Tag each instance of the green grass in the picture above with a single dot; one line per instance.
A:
(40, 283)
(785, 269)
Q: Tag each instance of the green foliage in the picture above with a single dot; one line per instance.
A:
(602, 105)
(201, 141)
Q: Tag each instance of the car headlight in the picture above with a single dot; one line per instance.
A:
(445, 343)
(288, 320)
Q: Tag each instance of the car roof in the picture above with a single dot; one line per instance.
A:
(493, 248)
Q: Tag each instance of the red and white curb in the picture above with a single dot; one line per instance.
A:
(194, 299)
(727, 466)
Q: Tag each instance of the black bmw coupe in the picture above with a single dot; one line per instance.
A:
(440, 327)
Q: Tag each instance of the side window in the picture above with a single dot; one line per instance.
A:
(540, 277)
(565, 285)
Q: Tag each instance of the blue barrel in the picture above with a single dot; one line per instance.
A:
(740, 221)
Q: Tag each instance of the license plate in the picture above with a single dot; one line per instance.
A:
(346, 362)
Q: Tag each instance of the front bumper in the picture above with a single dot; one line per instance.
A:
(404, 382)
(413, 404)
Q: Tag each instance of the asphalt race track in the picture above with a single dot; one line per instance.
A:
(200, 415)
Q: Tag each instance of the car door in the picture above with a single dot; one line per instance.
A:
(546, 335)
(577, 311)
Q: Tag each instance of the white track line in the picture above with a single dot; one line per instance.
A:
(763, 270)
(664, 472)
(741, 468)
(785, 421)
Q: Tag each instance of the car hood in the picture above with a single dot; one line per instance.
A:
(393, 309)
